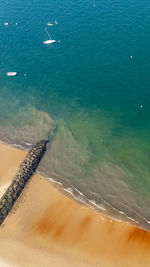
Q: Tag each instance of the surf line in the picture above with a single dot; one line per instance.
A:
(26, 170)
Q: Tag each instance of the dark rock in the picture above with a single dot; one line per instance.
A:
(26, 170)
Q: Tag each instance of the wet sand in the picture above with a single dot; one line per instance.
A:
(46, 228)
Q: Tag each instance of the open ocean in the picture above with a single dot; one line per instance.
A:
(89, 93)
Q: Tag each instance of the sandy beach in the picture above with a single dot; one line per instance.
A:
(46, 228)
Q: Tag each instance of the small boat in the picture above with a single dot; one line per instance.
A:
(56, 22)
(50, 41)
(13, 73)
(6, 23)
(49, 24)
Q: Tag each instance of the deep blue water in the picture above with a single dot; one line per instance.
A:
(90, 94)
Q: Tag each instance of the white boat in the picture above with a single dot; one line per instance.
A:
(6, 23)
(50, 41)
(56, 22)
(13, 73)
(49, 24)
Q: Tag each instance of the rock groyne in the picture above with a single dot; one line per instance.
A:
(26, 170)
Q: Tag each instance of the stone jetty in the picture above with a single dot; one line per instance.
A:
(26, 170)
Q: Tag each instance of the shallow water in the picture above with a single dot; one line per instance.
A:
(89, 94)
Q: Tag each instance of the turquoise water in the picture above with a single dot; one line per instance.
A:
(90, 93)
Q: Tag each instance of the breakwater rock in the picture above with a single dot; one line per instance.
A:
(26, 170)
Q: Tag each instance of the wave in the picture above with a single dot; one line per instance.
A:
(78, 196)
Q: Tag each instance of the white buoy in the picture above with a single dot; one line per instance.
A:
(16, 23)
(94, 5)
(131, 57)
(13, 73)
(141, 106)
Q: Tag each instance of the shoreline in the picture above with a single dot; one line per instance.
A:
(46, 225)
(81, 199)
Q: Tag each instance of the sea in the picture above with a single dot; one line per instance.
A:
(88, 93)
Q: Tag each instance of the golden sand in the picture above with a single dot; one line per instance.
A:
(46, 228)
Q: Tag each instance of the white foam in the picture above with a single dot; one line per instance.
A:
(99, 206)
(114, 208)
(69, 190)
(121, 212)
(116, 219)
(77, 191)
(12, 144)
(81, 199)
(54, 181)
(20, 146)
(28, 144)
(130, 218)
